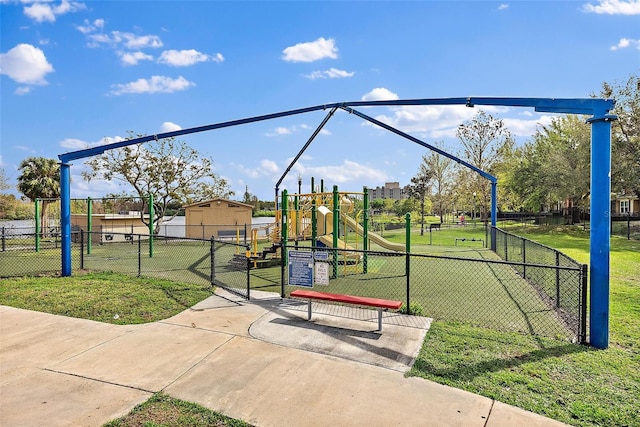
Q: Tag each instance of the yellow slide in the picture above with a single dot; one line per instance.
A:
(375, 238)
(325, 227)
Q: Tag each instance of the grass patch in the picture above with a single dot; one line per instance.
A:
(571, 383)
(105, 297)
(163, 410)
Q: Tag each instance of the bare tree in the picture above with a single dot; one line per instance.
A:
(168, 169)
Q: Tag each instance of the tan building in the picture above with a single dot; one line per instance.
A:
(390, 190)
(111, 227)
(220, 218)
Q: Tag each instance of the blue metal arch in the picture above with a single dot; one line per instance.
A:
(598, 109)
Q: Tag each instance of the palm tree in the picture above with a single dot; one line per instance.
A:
(40, 179)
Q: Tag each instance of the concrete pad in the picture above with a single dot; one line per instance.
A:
(149, 358)
(220, 314)
(271, 385)
(503, 415)
(51, 399)
(32, 339)
(395, 347)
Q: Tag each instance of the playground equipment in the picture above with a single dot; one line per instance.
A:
(321, 219)
(600, 120)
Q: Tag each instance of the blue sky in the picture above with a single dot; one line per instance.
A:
(79, 74)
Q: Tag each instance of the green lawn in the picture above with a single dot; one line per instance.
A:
(568, 382)
(572, 383)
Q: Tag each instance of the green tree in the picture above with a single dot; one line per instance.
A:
(419, 188)
(40, 179)
(442, 169)
(625, 164)
(554, 167)
(377, 204)
(167, 168)
(485, 142)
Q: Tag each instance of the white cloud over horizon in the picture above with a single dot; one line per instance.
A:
(25, 64)
(128, 40)
(331, 73)
(625, 42)
(169, 127)
(132, 58)
(379, 94)
(156, 84)
(311, 51)
(42, 11)
(614, 7)
(184, 58)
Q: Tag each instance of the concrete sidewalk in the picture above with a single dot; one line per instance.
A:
(259, 361)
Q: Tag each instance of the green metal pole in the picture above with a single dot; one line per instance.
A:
(408, 259)
(37, 201)
(89, 224)
(296, 205)
(336, 229)
(285, 225)
(151, 216)
(408, 232)
(314, 217)
(365, 230)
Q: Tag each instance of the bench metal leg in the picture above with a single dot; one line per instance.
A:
(309, 311)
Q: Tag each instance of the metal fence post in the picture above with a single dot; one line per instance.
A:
(408, 259)
(248, 270)
(583, 308)
(139, 256)
(557, 280)
(283, 248)
(4, 243)
(82, 249)
(213, 261)
(524, 258)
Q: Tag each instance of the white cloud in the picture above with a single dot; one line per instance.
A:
(41, 11)
(169, 127)
(132, 58)
(266, 168)
(281, 131)
(90, 27)
(22, 90)
(184, 58)
(624, 43)
(128, 40)
(520, 127)
(325, 132)
(614, 7)
(74, 144)
(380, 94)
(156, 84)
(503, 6)
(331, 73)
(430, 120)
(25, 64)
(311, 51)
(346, 172)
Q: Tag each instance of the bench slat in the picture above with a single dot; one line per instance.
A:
(349, 299)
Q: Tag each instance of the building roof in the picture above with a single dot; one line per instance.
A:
(218, 199)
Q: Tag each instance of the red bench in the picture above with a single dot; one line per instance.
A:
(380, 304)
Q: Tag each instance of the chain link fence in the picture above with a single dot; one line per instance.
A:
(478, 289)
(203, 262)
(556, 286)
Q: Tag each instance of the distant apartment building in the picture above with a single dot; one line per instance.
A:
(390, 190)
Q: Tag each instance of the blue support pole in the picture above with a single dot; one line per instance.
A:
(65, 217)
(600, 229)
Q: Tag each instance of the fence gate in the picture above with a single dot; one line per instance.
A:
(230, 267)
